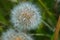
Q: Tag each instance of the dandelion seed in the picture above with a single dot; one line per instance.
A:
(25, 16)
(13, 35)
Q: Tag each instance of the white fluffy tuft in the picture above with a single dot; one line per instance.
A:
(25, 16)
(13, 35)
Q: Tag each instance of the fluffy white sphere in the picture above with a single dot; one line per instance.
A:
(25, 16)
(13, 35)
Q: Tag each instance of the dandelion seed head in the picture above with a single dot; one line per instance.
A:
(13, 35)
(25, 16)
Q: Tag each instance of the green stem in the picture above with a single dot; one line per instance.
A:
(48, 26)
(41, 35)
(43, 5)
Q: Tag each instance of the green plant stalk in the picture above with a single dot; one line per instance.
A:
(43, 5)
(37, 34)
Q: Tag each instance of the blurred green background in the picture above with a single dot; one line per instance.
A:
(49, 12)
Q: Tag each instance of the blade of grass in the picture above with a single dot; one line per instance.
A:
(48, 26)
(44, 6)
(40, 35)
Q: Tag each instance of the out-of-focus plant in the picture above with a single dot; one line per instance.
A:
(45, 30)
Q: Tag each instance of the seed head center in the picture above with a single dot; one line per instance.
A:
(18, 38)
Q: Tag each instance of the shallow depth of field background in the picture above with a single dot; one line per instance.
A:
(49, 12)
